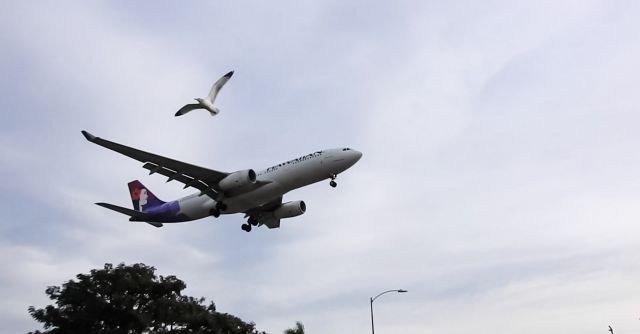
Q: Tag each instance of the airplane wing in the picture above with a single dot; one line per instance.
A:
(204, 179)
(264, 215)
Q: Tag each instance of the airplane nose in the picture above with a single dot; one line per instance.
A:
(357, 155)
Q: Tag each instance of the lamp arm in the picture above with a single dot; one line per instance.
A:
(382, 293)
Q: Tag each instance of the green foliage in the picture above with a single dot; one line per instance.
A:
(131, 299)
(299, 329)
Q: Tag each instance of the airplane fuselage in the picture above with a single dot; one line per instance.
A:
(272, 183)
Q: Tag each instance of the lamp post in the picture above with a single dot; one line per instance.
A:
(372, 299)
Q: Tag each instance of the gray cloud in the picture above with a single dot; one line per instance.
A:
(497, 183)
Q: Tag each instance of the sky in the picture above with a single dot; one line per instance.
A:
(499, 179)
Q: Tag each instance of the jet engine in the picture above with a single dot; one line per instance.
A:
(237, 180)
(290, 209)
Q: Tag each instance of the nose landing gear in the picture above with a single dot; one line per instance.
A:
(246, 227)
(333, 183)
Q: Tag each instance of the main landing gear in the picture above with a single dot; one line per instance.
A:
(333, 183)
(250, 222)
(220, 206)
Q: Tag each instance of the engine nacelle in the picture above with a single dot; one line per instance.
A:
(237, 180)
(290, 209)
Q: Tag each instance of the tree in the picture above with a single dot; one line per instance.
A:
(131, 299)
(299, 329)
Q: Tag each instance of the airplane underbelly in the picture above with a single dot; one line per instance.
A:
(196, 207)
(254, 198)
(287, 179)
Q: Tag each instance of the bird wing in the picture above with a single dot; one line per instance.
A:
(217, 86)
(187, 108)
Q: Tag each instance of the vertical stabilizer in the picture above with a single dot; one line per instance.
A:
(143, 199)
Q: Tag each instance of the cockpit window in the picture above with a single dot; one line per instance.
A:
(346, 149)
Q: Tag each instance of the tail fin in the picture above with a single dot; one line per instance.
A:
(214, 111)
(142, 198)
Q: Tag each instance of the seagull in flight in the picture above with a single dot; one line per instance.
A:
(207, 102)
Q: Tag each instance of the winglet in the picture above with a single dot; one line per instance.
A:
(87, 135)
(228, 75)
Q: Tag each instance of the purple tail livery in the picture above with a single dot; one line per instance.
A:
(143, 199)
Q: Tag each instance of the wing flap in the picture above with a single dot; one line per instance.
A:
(270, 222)
(264, 215)
(188, 181)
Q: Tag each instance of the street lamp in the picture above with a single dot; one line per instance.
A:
(371, 300)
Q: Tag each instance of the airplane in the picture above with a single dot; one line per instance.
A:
(257, 195)
(207, 102)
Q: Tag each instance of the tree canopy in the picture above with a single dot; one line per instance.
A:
(131, 299)
(299, 329)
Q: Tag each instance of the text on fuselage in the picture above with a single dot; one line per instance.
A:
(293, 162)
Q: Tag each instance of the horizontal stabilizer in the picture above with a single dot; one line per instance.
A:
(136, 216)
(125, 211)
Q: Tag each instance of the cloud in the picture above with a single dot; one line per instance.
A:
(497, 183)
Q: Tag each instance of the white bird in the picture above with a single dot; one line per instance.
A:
(207, 102)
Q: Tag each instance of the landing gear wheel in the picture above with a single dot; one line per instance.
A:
(215, 212)
(333, 182)
(252, 221)
(246, 227)
(221, 206)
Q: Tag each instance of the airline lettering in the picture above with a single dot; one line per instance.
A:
(294, 161)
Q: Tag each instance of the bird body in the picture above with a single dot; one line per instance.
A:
(206, 103)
